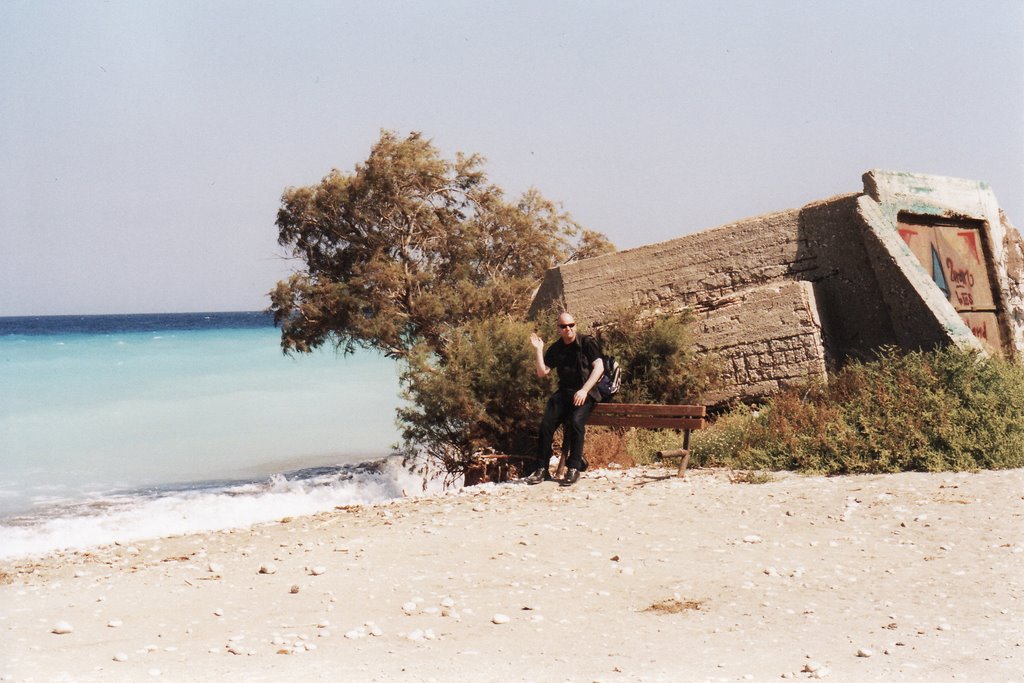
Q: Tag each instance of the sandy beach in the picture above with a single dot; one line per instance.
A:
(631, 575)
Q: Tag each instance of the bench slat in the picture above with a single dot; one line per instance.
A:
(650, 422)
(648, 409)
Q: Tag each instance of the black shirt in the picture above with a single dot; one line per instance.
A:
(574, 362)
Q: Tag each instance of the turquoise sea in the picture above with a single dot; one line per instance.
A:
(115, 428)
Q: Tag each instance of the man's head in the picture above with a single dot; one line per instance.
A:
(567, 328)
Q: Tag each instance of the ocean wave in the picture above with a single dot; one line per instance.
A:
(202, 507)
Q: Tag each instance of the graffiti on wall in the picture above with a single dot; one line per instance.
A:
(952, 253)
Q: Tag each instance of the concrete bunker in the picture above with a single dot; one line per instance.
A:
(914, 261)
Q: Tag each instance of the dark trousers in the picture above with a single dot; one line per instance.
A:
(559, 411)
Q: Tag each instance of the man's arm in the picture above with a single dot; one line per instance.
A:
(538, 346)
(596, 370)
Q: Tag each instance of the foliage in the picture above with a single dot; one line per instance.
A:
(410, 247)
(482, 394)
(924, 411)
(643, 444)
(660, 362)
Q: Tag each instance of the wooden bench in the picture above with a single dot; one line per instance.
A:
(649, 416)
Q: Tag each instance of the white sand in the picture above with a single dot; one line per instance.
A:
(921, 574)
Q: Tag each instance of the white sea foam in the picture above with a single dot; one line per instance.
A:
(129, 518)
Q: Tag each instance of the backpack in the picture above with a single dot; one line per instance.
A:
(609, 383)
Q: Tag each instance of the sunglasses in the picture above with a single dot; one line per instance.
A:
(567, 326)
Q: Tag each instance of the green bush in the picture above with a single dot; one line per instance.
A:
(660, 362)
(483, 394)
(924, 411)
(643, 444)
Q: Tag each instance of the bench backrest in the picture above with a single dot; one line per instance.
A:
(648, 416)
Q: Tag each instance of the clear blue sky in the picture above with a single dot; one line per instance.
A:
(144, 145)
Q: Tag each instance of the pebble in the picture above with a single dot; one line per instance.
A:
(752, 538)
(81, 573)
(268, 568)
(945, 627)
(317, 570)
(120, 657)
(865, 652)
(294, 589)
(114, 623)
(409, 608)
(500, 619)
(415, 636)
(215, 568)
(62, 628)
(376, 631)
(447, 602)
(218, 612)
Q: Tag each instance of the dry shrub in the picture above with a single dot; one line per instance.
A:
(750, 477)
(673, 606)
(604, 446)
(923, 411)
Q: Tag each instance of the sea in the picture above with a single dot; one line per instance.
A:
(117, 428)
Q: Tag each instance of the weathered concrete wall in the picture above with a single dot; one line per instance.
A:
(739, 279)
(778, 298)
(1012, 264)
(765, 338)
(850, 299)
(688, 272)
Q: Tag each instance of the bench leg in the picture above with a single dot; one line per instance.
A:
(683, 462)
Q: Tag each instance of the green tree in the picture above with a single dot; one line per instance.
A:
(425, 260)
(410, 246)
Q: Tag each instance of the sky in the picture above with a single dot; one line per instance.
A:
(145, 144)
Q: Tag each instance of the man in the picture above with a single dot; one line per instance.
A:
(577, 358)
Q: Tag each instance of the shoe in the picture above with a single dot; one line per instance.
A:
(571, 477)
(539, 475)
(585, 465)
